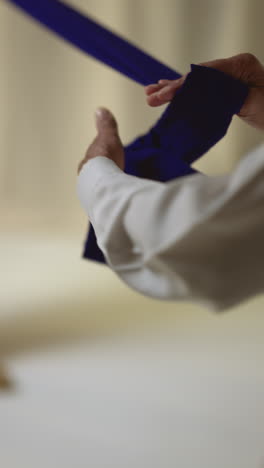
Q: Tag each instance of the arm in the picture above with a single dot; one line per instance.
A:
(197, 238)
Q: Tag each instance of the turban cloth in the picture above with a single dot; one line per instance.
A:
(196, 119)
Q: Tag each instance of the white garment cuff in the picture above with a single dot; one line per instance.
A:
(96, 171)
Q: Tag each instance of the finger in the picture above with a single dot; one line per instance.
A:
(105, 121)
(167, 93)
(174, 84)
(154, 100)
(164, 82)
(163, 96)
(153, 88)
(150, 89)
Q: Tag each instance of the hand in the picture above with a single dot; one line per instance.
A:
(107, 143)
(244, 67)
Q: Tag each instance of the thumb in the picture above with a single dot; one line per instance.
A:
(105, 121)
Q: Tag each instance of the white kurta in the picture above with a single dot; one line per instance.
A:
(196, 238)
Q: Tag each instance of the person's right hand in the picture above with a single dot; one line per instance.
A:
(244, 67)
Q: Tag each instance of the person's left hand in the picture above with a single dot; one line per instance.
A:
(107, 142)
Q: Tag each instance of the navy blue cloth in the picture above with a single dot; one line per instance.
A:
(196, 119)
(97, 41)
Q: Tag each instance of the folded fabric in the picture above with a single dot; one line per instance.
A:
(196, 119)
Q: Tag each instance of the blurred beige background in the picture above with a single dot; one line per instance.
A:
(96, 366)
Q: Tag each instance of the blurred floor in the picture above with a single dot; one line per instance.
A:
(105, 378)
(145, 402)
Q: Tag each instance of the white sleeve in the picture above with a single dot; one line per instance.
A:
(196, 238)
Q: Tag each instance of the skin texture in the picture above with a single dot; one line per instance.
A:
(245, 67)
(107, 142)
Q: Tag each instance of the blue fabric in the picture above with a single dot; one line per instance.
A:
(97, 41)
(196, 119)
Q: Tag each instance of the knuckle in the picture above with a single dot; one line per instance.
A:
(244, 66)
(247, 59)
